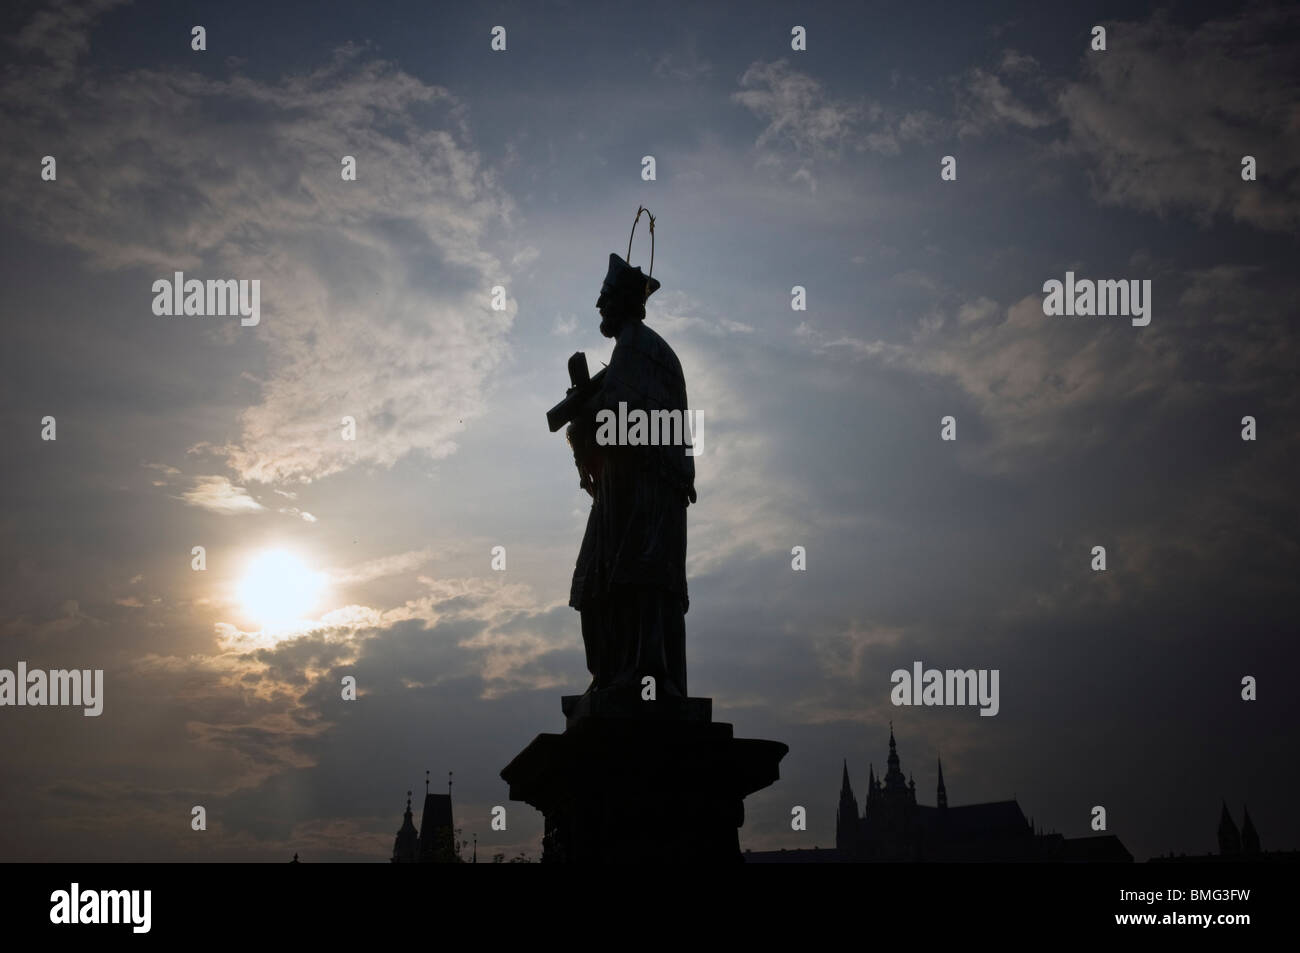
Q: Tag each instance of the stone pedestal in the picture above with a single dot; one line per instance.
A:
(642, 782)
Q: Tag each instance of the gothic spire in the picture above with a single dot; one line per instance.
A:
(405, 846)
(894, 780)
(847, 820)
(1229, 836)
(1249, 838)
(941, 798)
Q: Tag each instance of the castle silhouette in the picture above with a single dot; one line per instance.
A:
(894, 827)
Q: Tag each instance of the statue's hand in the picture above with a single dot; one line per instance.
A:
(581, 459)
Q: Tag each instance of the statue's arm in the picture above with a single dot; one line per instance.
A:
(616, 387)
(581, 434)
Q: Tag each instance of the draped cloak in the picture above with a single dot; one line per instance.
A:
(630, 580)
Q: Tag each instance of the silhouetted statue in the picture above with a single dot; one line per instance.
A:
(630, 580)
(635, 777)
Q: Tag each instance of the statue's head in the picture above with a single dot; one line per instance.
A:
(623, 296)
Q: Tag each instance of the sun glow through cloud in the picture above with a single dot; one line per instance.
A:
(278, 589)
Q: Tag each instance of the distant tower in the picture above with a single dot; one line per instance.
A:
(895, 783)
(941, 798)
(406, 847)
(1229, 836)
(437, 829)
(873, 787)
(846, 818)
(1249, 839)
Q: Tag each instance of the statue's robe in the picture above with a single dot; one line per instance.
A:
(630, 581)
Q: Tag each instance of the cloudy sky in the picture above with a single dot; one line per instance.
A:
(522, 168)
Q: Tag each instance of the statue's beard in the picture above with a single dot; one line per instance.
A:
(619, 317)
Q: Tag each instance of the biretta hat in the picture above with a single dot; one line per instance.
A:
(627, 280)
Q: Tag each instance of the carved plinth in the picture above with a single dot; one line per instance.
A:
(649, 789)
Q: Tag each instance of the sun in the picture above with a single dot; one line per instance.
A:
(278, 588)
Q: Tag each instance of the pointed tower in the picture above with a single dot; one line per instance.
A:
(1249, 839)
(406, 847)
(873, 787)
(941, 796)
(846, 818)
(1229, 836)
(895, 783)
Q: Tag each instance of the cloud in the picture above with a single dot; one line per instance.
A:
(803, 119)
(679, 314)
(987, 103)
(219, 495)
(301, 514)
(687, 66)
(1047, 387)
(1166, 114)
(59, 36)
(854, 347)
(374, 293)
(1014, 61)
(1035, 380)
(381, 568)
(797, 110)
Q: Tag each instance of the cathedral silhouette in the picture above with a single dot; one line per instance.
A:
(894, 827)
